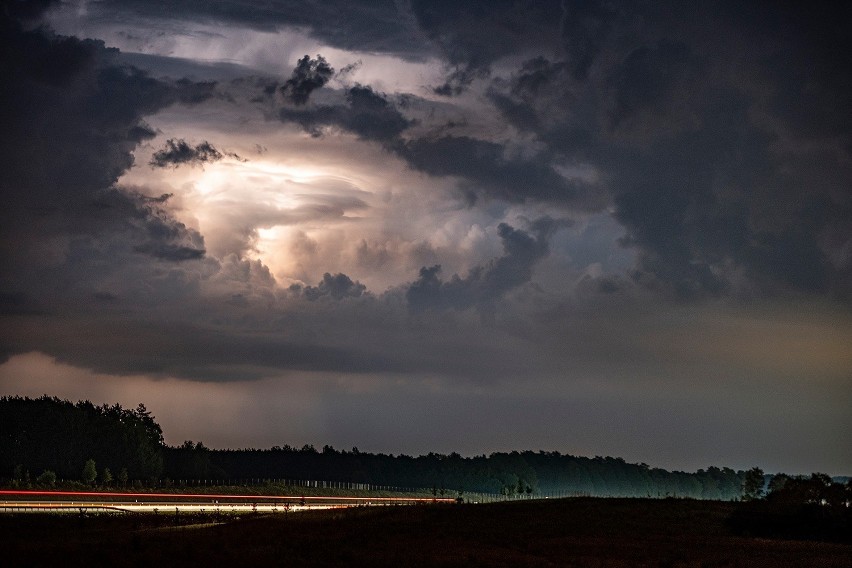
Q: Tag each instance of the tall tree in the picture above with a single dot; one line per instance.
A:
(753, 484)
(90, 472)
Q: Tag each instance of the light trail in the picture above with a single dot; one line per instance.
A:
(165, 507)
(223, 496)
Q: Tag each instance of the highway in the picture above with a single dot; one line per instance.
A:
(104, 502)
(92, 506)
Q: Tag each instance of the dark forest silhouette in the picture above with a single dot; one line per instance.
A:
(47, 438)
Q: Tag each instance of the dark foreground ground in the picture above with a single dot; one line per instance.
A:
(575, 532)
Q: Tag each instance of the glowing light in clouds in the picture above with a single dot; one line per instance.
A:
(249, 208)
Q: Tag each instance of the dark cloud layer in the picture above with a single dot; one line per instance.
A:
(484, 285)
(71, 119)
(367, 114)
(705, 168)
(27, 10)
(483, 164)
(488, 171)
(379, 26)
(308, 76)
(334, 287)
(719, 137)
(473, 35)
(178, 152)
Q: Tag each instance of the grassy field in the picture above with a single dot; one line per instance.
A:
(571, 532)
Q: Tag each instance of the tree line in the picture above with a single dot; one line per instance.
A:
(47, 434)
(507, 473)
(814, 507)
(111, 444)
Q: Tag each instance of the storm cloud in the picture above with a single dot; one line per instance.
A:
(714, 183)
(484, 285)
(335, 287)
(629, 212)
(366, 114)
(72, 119)
(178, 152)
(484, 165)
(308, 76)
(700, 168)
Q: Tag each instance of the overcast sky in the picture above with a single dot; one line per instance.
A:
(602, 228)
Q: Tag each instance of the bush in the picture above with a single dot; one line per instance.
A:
(47, 477)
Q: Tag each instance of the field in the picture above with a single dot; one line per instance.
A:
(570, 532)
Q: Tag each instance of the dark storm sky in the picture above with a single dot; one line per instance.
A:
(603, 228)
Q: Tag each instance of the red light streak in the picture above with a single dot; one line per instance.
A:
(217, 496)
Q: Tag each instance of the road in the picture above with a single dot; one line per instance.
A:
(92, 506)
(94, 502)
